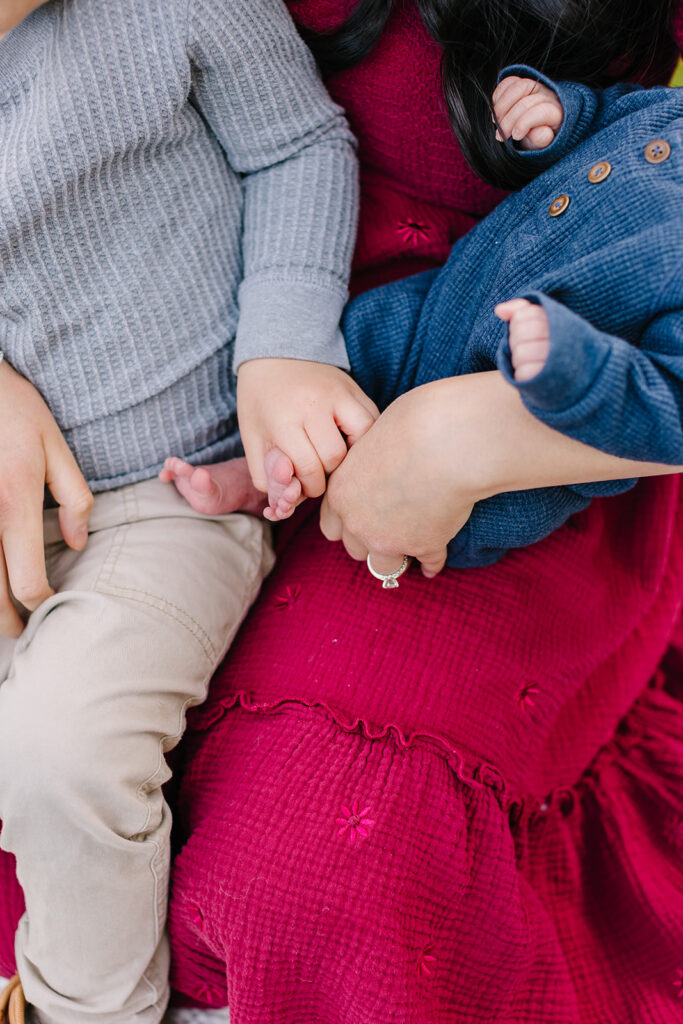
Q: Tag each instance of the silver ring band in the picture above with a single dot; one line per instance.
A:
(389, 579)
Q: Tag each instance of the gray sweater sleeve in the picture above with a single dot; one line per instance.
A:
(256, 84)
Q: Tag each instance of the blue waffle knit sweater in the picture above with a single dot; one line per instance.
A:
(609, 273)
(177, 194)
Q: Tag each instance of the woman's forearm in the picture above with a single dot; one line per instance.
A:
(509, 449)
(408, 486)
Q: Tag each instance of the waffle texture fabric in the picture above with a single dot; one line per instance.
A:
(501, 748)
(176, 189)
(607, 272)
(409, 806)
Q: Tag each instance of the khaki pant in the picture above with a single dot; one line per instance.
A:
(93, 694)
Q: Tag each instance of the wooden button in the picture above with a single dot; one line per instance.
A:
(558, 206)
(599, 172)
(657, 151)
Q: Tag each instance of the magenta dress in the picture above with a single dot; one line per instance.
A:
(460, 801)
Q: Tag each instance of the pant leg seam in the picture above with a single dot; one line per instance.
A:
(173, 611)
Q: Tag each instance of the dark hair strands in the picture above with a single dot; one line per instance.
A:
(590, 41)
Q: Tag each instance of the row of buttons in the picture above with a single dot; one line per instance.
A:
(655, 153)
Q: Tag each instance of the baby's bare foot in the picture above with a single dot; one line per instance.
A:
(284, 490)
(215, 490)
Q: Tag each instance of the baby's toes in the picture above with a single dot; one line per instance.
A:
(292, 492)
(203, 483)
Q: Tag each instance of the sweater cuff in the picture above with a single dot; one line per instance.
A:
(577, 355)
(579, 105)
(288, 320)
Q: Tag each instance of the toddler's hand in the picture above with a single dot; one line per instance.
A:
(529, 336)
(310, 411)
(527, 111)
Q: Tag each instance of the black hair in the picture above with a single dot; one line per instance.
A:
(588, 41)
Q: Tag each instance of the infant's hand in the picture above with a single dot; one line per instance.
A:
(310, 411)
(529, 336)
(527, 111)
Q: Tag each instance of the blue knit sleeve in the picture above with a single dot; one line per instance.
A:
(585, 110)
(579, 106)
(605, 391)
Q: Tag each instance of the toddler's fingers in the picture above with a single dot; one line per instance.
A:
(323, 433)
(355, 418)
(307, 465)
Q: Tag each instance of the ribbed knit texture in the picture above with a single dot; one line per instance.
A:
(523, 865)
(173, 178)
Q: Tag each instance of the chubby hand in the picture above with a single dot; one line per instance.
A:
(529, 336)
(526, 111)
(310, 411)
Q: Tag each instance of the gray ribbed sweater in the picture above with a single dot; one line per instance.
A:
(176, 188)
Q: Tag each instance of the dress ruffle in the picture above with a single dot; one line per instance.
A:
(385, 884)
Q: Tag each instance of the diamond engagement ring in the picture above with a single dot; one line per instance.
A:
(389, 579)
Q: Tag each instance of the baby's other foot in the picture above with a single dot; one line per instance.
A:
(284, 490)
(215, 490)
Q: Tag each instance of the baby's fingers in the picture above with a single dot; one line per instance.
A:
(506, 310)
(538, 138)
(509, 92)
(542, 115)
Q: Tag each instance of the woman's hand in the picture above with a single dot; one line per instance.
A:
(404, 487)
(409, 485)
(33, 453)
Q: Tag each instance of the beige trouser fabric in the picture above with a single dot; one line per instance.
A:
(92, 695)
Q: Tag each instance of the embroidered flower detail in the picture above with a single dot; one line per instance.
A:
(197, 918)
(678, 983)
(355, 822)
(526, 698)
(675, 830)
(289, 598)
(208, 994)
(426, 961)
(412, 232)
